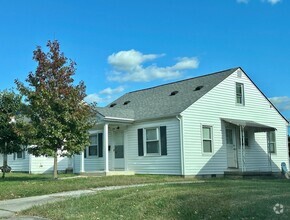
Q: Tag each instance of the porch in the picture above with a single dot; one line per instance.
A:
(249, 147)
(106, 154)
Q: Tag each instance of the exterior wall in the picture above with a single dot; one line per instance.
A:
(219, 103)
(91, 164)
(35, 165)
(44, 164)
(18, 165)
(166, 164)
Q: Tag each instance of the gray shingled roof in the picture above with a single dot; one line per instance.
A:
(156, 102)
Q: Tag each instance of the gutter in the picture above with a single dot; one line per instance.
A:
(179, 118)
(118, 119)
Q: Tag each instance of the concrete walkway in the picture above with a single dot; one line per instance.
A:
(9, 208)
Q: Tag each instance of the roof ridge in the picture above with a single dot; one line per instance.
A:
(153, 87)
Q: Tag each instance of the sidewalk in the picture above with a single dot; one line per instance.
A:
(9, 208)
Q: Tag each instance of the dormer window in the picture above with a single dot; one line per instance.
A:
(198, 88)
(112, 105)
(126, 103)
(173, 93)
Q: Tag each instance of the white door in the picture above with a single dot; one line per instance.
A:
(231, 148)
(119, 163)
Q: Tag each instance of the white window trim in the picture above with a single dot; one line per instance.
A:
(22, 156)
(243, 94)
(275, 142)
(145, 141)
(88, 147)
(212, 143)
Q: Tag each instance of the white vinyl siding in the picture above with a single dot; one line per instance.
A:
(168, 164)
(35, 165)
(220, 103)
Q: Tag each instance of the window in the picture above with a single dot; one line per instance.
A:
(93, 148)
(152, 141)
(246, 133)
(272, 142)
(229, 136)
(207, 139)
(119, 151)
(240, 97)
(19, 155)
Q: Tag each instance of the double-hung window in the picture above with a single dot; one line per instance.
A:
(152, 141)
(240, 95)
(207, 144)
(19, 155)
(93, 148)
(272, 141)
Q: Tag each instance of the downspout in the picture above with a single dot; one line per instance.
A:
(179, 118)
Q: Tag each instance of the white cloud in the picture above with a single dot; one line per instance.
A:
(272, 2)
(186, 63)
(128, 60)
(282, 102)
(127, 66)
(105, 96)
(110, 91)
(243, 1)
(93, 98)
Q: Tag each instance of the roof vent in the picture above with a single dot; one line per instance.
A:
(198, 88)
(126, 103)
(173, 93)
(112, 105)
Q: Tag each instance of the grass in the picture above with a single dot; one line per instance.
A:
(213, 199)
(17, 185)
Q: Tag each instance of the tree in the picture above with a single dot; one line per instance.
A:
(11, 137)
(58, 114)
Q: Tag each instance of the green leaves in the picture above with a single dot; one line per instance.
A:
(59, 117)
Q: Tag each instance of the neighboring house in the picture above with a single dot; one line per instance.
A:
(25, 162)
(206, 125)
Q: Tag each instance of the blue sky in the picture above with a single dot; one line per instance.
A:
(121, 46)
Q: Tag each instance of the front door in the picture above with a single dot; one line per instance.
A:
(231, 148)
(119, 162)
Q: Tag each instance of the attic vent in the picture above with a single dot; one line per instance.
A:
(198, 88)
(112, 105)
(239, 74)
(173, 93)
(126, 103)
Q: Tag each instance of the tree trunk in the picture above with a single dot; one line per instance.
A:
(55, 165)
(4, 161)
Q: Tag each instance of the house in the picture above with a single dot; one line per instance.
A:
(207, 125)
(25, 162)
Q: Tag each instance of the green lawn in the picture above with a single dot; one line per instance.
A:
(212, 199)
(17, 185)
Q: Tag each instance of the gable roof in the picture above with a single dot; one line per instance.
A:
(165, 100)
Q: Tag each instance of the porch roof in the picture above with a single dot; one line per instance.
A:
(246, 123)
(116, 113)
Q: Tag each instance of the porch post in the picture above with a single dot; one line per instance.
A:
(105, 145)
(244, 149)
(241, 146)
(82, 163)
